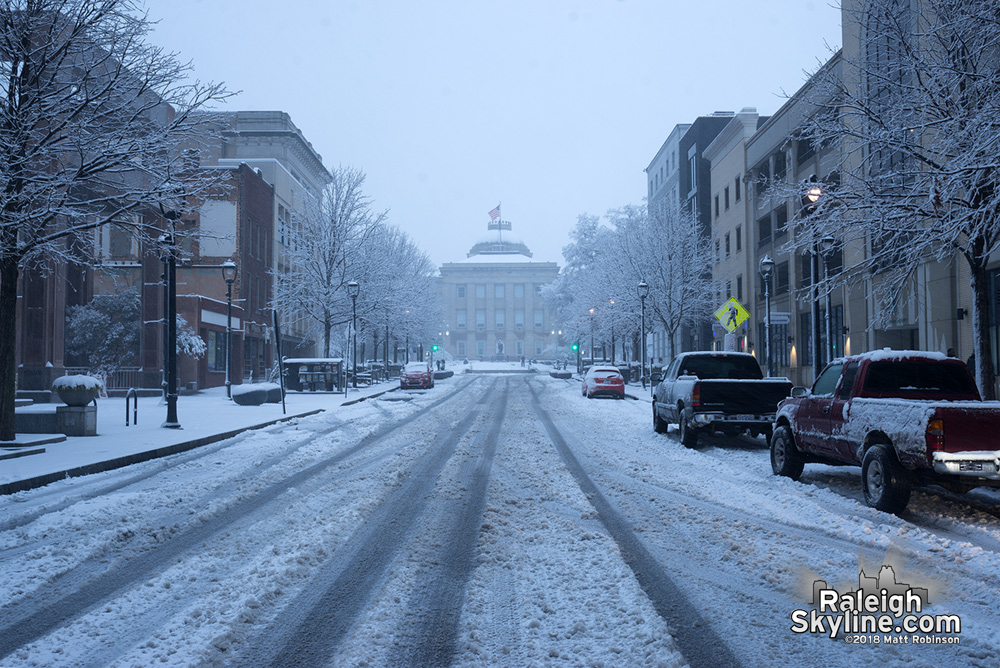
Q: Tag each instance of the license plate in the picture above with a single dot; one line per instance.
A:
(971, 466)
(743, 418)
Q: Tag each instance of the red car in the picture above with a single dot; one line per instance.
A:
(416, 374)
(603, 380)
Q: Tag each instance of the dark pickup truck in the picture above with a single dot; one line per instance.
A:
(716, 391)
(905, 417)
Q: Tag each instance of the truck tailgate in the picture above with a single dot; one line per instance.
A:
(969, 427)
(743, 396)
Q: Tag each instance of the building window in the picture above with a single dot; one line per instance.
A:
(282, 224)
(779, 166)
(216, 352)
(736, 184)
(519, 318)
(499, 319)
(538, 289)
(120, 241)
(480, 348)
(498, 291)
(460, 291)
(781, 278)
(764, 230)
(739, 288)
(519, 291)
(716, 206)
(805, 270)
(725, 197)
(727, 244)
(519, 347)
(538, 318)
(480, 291)
(538, 347)
(693, 168)
(460, 348)
(781, 220)
(716, 250)
(480, 318)
(460, 318)
(739, 238)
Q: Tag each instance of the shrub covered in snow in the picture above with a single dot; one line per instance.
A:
(79, 382)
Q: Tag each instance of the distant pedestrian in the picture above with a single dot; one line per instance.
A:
(951, 353)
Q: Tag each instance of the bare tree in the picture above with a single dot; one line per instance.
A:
(595, 294)
(326, 253)
(398, 298)
(916, 114)
(90, 119)
(663, 247)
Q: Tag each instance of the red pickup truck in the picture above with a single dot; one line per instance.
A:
(905, 417)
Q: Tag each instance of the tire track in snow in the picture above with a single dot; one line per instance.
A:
(693, 635)
(99, 580)
(311, 628)
(431, 633)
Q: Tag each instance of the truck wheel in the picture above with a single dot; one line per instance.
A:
(886, 484)
(786, 459)
(689, 438)
(659, 424)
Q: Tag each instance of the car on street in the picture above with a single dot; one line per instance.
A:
(906, 417)
(716, 392)
(603, 381)
(416, 375)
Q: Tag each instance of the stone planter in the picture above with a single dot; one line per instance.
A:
(76, 396)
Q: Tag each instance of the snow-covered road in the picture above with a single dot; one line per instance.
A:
(494, 520)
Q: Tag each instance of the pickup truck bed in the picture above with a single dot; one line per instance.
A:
(716, 391)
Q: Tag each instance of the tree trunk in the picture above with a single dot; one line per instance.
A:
(327, 326)
(983, 367)
(8, 346)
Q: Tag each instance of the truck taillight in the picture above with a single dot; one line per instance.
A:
(696, 395)
(935, 434)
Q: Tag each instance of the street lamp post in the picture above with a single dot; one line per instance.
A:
(591, 336)
(353, 289)
(826, 245)
(612, 302)
(643, 290)
(229, 271)
(766, 268)
(170, 274)
(812, 195)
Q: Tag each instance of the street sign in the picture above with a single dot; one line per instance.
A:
(732, 314)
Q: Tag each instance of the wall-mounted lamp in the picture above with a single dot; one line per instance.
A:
(962, 312)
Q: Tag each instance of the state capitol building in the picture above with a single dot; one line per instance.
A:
(493, 301)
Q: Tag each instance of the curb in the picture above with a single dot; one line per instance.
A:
(128, 460)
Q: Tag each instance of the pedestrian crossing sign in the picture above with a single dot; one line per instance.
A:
(732, 314)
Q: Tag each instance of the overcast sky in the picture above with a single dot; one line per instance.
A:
(551, 107)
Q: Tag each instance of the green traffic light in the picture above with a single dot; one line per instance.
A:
(434, 348)
(576, 346)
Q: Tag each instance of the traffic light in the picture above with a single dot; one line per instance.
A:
(434, 348)
(575, 347)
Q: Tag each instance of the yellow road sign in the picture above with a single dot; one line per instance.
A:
(732, 314)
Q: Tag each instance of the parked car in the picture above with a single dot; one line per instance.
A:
(905, 417)
(603, 381)
(716, 391)
(416, 374)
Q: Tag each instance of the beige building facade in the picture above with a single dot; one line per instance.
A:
(494, 309)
